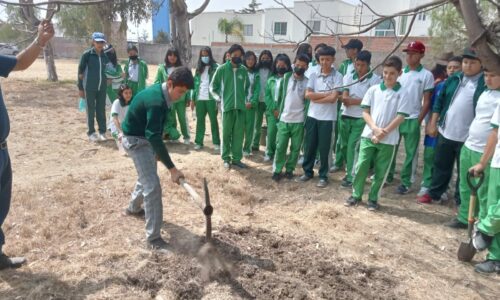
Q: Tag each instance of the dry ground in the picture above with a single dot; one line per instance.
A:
(284, 240)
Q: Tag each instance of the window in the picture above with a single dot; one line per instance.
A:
(280, 28)
(248, 30)
(402, 25)
(421, 16)
(314, 25)
(386, 28)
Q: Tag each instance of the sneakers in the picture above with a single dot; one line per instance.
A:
(456, 224)
(300, 161)
(102, 137)
(197, 147)
(480, 241)
(425, 199)
(93, 138)
(372, 205)
(488, 267)
(303, 178)
(11, 262)
(246, 153)
(156, 244)
(322, 183)
(227, 165)
(139, 214)
(423, 190)
(187, 142)
(267, 158)
(346, 183)
(217, 147)
(239, 164)
(276, 177)
(351, 201)
(402, 190)
(334, 169)
(289, 175)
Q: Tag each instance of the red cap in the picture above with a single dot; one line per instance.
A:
(415, 46)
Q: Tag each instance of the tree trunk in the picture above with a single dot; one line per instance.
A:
(48, 54)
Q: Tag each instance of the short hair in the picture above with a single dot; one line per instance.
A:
(395, 62)
(132, 47)
(236, 47)
(302, 57)
(320, 45)
(365, 56)
(456, 58)
(182, 76)
(327, 51)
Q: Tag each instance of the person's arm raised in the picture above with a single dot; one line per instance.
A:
(26, 57)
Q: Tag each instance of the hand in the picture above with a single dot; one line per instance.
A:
(375, 140)
(176, 175)
(346, 101)
(276, 113)
(193, 104)
(81, 93)
(124, 75)
(431, 130)
(248, 105)
(477, 169)
(45, 32)
(377, 131)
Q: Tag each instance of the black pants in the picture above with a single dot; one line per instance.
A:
(317, 138)
(447, 153)
(5, 189)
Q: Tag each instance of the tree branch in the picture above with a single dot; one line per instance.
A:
(90, 2)
(199, 10)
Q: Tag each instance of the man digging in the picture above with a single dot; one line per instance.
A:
(143, 131)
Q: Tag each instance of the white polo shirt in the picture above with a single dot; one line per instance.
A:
(480, 127)
(416, 82)
(495, 122)
(293, 104)
(385, 104)
(203, 92)
(358, 91)
(324, 83)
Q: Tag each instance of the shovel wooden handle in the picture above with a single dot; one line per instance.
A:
(190, 190)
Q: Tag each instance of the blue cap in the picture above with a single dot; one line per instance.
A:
(98, 37)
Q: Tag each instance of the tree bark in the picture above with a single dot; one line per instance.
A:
(48, 55)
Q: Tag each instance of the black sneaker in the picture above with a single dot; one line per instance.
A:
(488, 267)
(456, 224)
(402, 190)
(139, 214)
(11, 262)
(372, 206)
(303, 178)
(322, 183)
(239, 164)
(289, 175)
(276, 177)
(346, 184)
(351, 201)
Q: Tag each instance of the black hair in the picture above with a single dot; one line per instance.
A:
(320, 45)
(111, 54)
(282, 57)
(365, 56)
(395, 62)
(175, 52)
(439, 71)
(302, 57)
(200, 67)
(132, 47)
(304, 49)
(236, 47)
(182, 76)
(456, 58)
(224, 59)
(249, 54)
(327, 51)
(265, 52)
(121, 89)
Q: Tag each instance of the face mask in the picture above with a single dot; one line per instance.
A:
(299, 71)
(205, 59)
(133, 57)
(265, 64)
(236, 60)
(281, 70)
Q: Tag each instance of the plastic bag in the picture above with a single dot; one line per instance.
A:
(82, 105)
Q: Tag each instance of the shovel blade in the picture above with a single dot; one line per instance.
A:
(466, 251)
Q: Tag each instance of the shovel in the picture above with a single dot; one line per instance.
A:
(466, 250)
(205, 206)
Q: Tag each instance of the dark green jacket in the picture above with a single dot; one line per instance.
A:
(230, 87)
(197, 83)
(92, 69)
(448, 92)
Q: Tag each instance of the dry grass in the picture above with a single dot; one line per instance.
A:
(66, 219)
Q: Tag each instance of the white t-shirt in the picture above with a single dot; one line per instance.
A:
(293, 105)
(480, 127)
(251, 76)
(264, 74)
(324, 83)
(312, 69)
(358, 91)
(385, 104)
(495, 122)
(133, 72)
(203, 92)
(117, 109)
(460, 113)
(416, 82)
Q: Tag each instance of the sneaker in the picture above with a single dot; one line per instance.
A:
(480, 241)
(139, 214)
(157, 244)
(102, 137)
(93, 137)
(303, 178)
(276, 177)
(423, 191)
(227, 165)
(246, 153)
(239, 164)
(197, 147)
(456, 224)
(488, 267)
(267, 158)
(187, 142)
(216, 147)
(334, 169)
(11, 262)
(346, 183)
(322, 183)
(402, 190)
(300, 161)
(289, 175)
(351, 201)
(425, 199)
(372, 205)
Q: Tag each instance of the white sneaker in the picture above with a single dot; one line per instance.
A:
(267, 158)
(246, 154)
(102, 137)
(187, 142)
(93, 137)
(444, 197)
(197, 147)
(301, 160)
(423, 191)
(216, 147)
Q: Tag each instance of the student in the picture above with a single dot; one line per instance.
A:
(118, 113)
(281, 66)
(487, 230)
(230, 86)
(142, 129)
(454, 65)
(419, 83)
(322, 91)
(205, 103)
(314, 64)
(306, 49)
(226, 57)
(352, 123)
(252, 101)
(136, 70)
(452, 115)
(384, 109)
(352, 48)
(172, 61)
(114, 73)
(265, 65)
(92, 86)
(291, 106)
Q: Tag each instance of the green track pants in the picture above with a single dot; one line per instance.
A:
(348, 143)
(272, 130)
(293, 132)
(204, 108)
(249, 129)
(177, 111)
(409, 130)
(490, 224)
(259, 117)
(233, 127)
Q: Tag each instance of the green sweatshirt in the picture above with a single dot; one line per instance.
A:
(344, 65)
(197, 82)
(271, 96)
(254, 91)
(162, 76)
(93, 68)
(230, 86)
(143, 73)
(145, 118)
